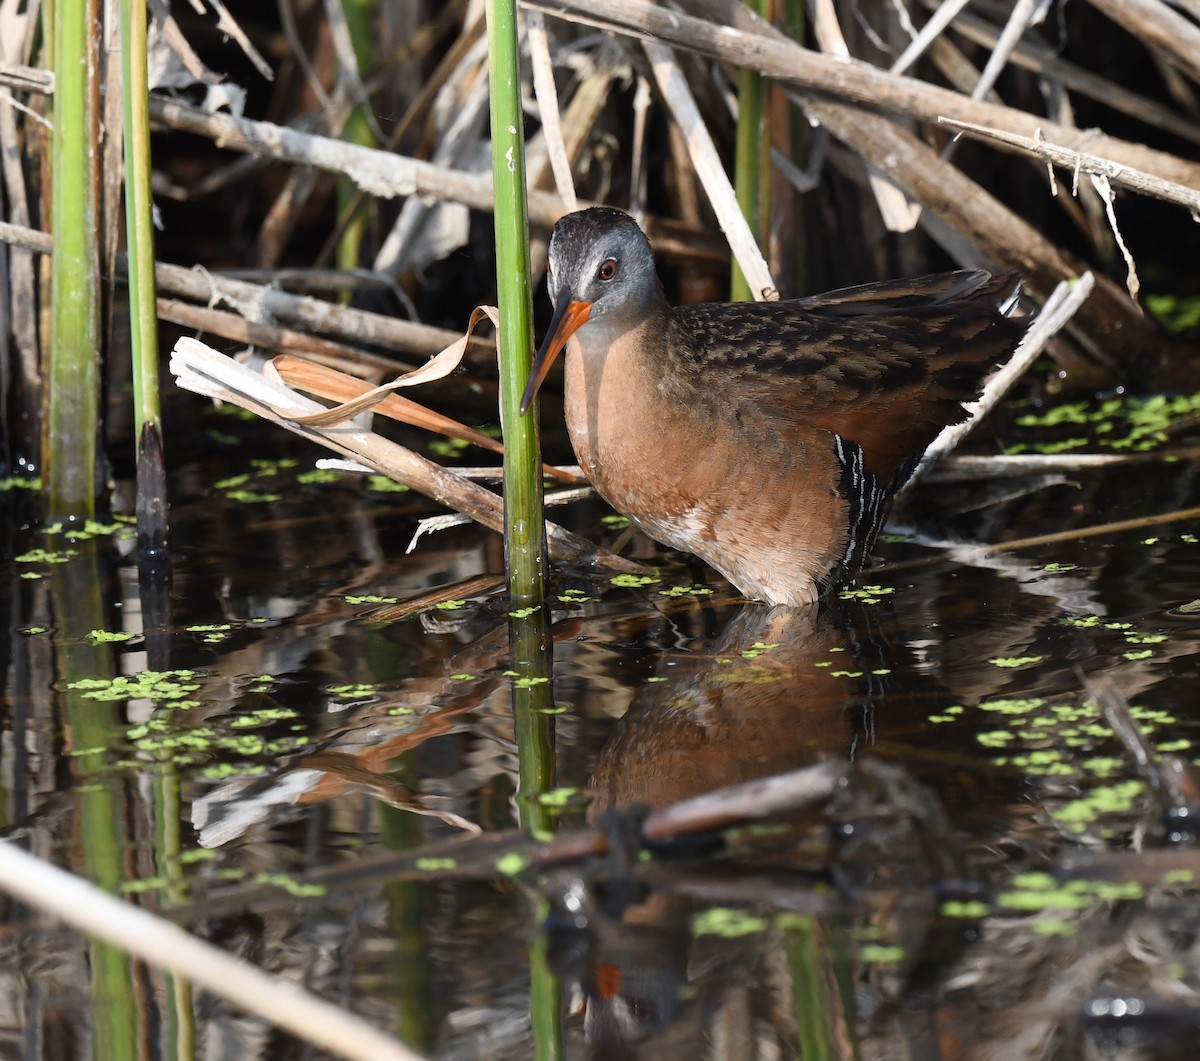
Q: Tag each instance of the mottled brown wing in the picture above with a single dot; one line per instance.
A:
(885, 365)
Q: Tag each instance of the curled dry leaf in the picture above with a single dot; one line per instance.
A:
(355, 396)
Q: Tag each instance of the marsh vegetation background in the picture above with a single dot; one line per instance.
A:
(235, 693)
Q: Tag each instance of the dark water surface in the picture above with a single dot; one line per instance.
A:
(991, 881)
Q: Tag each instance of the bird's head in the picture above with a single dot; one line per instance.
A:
(601, 271)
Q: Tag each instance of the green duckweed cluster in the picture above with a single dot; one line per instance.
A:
(1123, 424)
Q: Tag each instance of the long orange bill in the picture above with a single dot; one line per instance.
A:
(569, 315)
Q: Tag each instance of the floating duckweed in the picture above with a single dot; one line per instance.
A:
(616, 522)
(1108, 799)
(524, 613)
(1103, 766)
(1179, 876)
(357, 691)
(558, 797)
(20, 482)
(1012, 706)
(972, 909)
(46, 556)
(291, 885)
(512, 864)
(463, 677)
(846, 673)
(253, 497)
(368, 598)
(634, 581)
(434, 865)
(264, 716)
(529, 683)
(1054, 927)
(453, 605)
(1171, 747)
(1136, 637)
(683, 591)
(575, 596)
(448, 448)
(150, 685)
(1058, 568)
(266, 466)
(106, 637)
(381, 484)
(147, 884)
(1141, 654)
(1014, 661)
(758, 648)
(727, 922)
(655, 680)
(878, 954)
(90, 528)
(866, 594)
(1152, 716)
(318, 475)
(1124, 423)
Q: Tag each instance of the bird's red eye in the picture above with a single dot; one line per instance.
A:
(608, 269)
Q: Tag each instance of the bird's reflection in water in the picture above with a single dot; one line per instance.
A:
(779, 689)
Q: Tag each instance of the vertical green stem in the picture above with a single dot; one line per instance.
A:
(523, 540)
(143, 310)
(73, 403)
(139, 205)
(360, 22)
(752, 169)
(746, 166)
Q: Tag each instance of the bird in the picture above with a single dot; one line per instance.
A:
(766, 438)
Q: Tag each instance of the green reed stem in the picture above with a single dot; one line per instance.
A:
(752, 166)
(143, 309)
(139, 205)
(524, 529)
(360, 18)
(73, 372)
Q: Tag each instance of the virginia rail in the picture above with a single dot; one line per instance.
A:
(768, 438)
